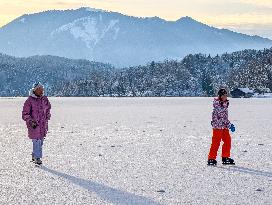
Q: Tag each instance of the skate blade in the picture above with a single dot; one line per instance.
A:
(37, 165)
(212, 165)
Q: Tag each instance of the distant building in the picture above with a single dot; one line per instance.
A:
(242, 93)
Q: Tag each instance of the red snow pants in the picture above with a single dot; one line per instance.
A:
(218, 135)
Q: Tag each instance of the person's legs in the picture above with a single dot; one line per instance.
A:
(34, 150)
(37, 148)
(216, 139)
(226, 138)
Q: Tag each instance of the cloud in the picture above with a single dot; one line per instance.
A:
(251, 23)
(253, 18)
(6, 18)
(264, 3)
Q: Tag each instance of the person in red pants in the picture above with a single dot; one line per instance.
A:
(221, 126)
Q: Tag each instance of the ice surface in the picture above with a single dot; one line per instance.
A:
(136, 151)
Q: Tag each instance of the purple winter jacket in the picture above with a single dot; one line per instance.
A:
(37, 109)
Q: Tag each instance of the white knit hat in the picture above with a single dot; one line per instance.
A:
(36, 85)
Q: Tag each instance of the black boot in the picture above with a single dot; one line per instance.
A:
(227, 161)
(38, 161)
(212, 162)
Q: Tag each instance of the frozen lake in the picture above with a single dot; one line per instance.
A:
(132, 151)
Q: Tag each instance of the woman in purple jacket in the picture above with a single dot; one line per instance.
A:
(36, 113)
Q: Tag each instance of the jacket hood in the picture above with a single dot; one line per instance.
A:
(32, 94)
(34, 87)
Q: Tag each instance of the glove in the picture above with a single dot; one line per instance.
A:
(232, 128)
(33, 124)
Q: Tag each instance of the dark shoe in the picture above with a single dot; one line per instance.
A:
(33, 158)
(212, 162)
(38, 161)
(227, 161)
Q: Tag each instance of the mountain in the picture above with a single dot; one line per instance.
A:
(121, 40)
(18, 74)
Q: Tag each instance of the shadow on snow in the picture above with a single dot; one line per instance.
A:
(247, 171)
(107, 193)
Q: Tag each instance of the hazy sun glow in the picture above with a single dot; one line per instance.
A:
(247, 16)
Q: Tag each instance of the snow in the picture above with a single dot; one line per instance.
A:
(246, 90)
(22, 20)
(87, 29)
(136, 151)
(83, 28)
(110, 26)
(265, 95)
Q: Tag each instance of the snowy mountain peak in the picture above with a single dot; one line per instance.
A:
(111, 37)
(89, 30)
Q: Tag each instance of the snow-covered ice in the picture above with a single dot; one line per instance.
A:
(132, 151)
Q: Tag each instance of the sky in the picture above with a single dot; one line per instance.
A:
(252, 17)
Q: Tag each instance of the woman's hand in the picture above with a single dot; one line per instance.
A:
(33, 124)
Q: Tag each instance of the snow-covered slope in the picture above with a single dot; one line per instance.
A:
(136, 151)
(117, 39)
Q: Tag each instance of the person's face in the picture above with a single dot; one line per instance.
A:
(39, 91)
(224, 97)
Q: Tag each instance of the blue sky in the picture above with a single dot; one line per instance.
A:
(247, 16)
